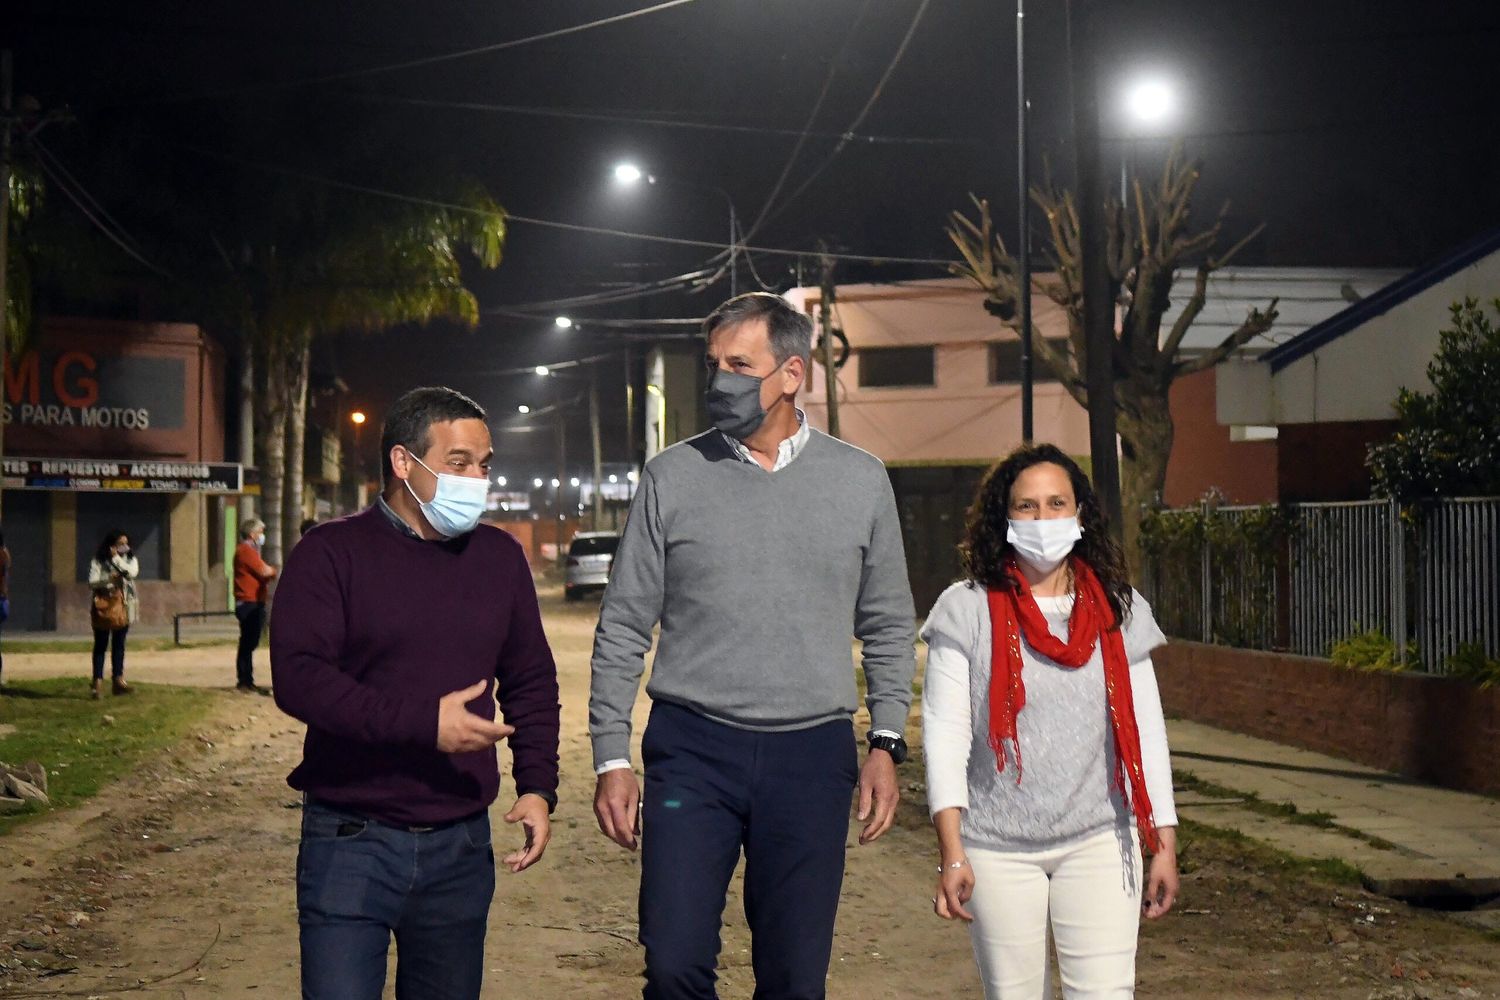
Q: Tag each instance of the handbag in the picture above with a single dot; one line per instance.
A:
(109, 613)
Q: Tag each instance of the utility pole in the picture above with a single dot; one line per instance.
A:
(562, 484)
(825, 320)
(629, 405)
(594, 435)
(1023, 214)
(9, 124)
(1098, 310)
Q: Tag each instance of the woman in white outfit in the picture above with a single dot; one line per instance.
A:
(1047, 765)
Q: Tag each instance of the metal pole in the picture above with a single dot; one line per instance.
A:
(734, 271)
(1023, 213)
(594, 435)
(830, 374)
(562, 484)
(1098, 310)
(6, 127)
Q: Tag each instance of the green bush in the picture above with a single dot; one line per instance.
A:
(1473, 664)
(1373, 651)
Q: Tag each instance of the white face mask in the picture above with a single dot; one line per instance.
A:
(1044, 544)
(456, 505)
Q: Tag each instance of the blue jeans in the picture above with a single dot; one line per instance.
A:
(784, 798)
(359, 882)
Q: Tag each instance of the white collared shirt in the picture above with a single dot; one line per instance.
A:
(786, 452)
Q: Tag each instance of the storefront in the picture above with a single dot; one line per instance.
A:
(116, 425)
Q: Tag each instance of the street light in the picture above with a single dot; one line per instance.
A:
(543, 370)
(523, 408)
(536, 484)
(629, 174)
(1149, 103)
(563, 323)
(573, 482)
(500, 481)
(357, 417)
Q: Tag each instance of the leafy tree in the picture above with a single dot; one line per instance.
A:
(1448, 441)
(1149, 242)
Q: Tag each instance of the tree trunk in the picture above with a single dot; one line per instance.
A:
(1146, 444)
(297, 364)
(247, 417)
(272, 434)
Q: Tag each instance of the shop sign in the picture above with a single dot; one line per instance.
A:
(87, 474)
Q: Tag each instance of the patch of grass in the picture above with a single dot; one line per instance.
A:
(1260, 855)
(60, 726)
(1287, 811)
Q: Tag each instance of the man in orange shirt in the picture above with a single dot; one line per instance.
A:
(252, 575)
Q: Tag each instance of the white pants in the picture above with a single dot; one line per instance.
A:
(1089, 891)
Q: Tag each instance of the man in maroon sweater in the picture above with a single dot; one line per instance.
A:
(388, 629)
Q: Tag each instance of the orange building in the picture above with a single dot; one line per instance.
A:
(113, 424)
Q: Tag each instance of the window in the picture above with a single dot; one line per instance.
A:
(885, 367)
(1005, 361)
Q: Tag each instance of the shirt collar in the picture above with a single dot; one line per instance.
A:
(786, 452)
(395, 518)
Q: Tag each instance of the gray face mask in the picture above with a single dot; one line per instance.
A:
(734, 402)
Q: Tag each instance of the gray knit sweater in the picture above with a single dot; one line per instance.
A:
(758, 581)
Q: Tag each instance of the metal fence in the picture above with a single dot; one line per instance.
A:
(1322, 572)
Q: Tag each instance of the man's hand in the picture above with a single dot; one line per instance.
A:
(463, 731)
(531, 812)
(617, 804)
(877, 788)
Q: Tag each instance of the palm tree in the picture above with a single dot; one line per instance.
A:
(349, 262)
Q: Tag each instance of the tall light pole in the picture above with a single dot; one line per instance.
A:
(1023, 215)
(629, 175)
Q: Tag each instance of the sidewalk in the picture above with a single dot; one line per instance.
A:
(1408, 840)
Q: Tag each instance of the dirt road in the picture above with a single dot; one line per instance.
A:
(193, 858)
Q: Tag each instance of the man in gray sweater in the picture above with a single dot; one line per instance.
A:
(760, 547)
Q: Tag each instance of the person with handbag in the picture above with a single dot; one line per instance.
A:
(114, 609)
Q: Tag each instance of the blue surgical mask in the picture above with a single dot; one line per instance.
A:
(457, 504)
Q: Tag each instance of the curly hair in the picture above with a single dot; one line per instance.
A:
(984, 551)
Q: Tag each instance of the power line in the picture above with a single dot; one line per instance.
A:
(682, 123)
(859, 118)
(426, 60)
(122, 239)
(571, 227)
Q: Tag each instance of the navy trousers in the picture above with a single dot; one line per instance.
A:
(784, 798)
(359, 882)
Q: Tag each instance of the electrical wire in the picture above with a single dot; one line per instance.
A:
(812, 116)
(552, 223)
(58, 165)
(122, 239)
(859, 118)
(629, 119)
(354, 74)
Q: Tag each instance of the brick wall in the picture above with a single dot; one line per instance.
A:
(1442, 731)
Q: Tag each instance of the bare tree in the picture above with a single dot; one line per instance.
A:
(1149, 242)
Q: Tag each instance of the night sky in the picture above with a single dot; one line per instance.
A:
(1362, 132)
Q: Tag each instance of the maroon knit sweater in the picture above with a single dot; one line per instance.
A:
(370, 627)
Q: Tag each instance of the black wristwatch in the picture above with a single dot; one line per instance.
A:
(893, 745)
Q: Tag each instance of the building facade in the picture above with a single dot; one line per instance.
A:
(116, 425)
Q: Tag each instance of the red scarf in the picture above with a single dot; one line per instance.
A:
(1014, 613)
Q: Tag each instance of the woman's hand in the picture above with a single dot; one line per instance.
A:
(1161, 878)
(955, 887)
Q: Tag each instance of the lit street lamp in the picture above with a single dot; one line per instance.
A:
(629, 174)
(1149, 104)
(563, 323)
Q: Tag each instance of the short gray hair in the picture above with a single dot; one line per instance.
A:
(250, 526)
(790, 331)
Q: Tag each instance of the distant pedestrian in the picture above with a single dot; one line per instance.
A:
(395, 631)
(114, 607)
(4, 594)
(1042, 660)
(252, 578)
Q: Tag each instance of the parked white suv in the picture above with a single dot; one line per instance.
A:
(590, 558)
